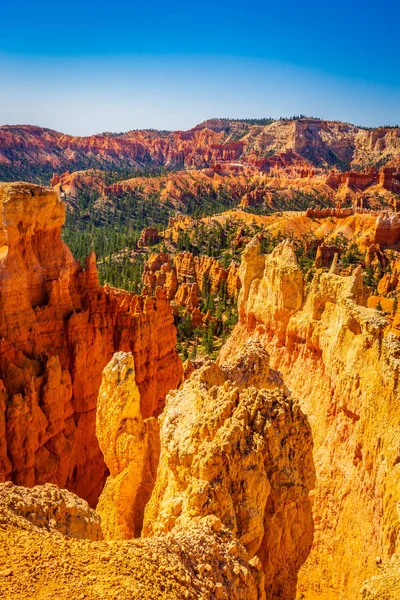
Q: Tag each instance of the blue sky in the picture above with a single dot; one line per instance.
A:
(85, 67)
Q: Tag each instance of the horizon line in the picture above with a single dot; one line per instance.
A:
(244, 120)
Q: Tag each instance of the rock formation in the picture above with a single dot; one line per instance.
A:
(48, 508)
(341, 360)
(387, 230)
(159, 271)
(185, 276)
(130, 446)
(236, 447)
(309, 142)
(148, 237)
(385, 585)
(229, 516)
(58, 330)
(196, 562)
(197, 268)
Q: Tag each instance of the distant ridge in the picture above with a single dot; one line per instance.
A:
(34, 153)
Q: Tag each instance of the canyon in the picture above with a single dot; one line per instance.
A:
(263, 468)
(324, 143)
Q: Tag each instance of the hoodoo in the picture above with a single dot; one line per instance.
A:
(263, 252)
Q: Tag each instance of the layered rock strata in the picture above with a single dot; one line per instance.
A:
(25, 149)
(58, 329)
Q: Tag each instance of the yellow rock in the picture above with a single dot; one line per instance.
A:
(341, 360)
(240, 453)
(130, 445)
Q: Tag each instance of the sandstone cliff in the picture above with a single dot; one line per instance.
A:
(229, 517)
(58, 330)
(243, 455)
(131, 449)
(342, 361)
(235, 452)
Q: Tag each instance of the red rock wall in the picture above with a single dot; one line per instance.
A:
(58, 329)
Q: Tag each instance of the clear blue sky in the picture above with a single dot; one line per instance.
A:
(85, 67)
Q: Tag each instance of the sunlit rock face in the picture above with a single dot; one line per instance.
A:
(341, 360)
(234, 447)
(131, 449)
(58, 329)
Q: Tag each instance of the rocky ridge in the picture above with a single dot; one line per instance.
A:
(323, 142)
(229, 515)
(234, 445)
(234, 451)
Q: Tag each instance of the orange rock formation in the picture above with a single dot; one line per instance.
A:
(48, 508)
(323, 142)
(341, 360)
(58, 330)
(130, 446)
(40, 559)
(235, 446)
(184, 277)
(236, 454)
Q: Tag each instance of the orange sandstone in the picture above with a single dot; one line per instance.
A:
(58, 330)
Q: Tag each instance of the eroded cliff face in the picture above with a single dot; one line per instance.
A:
(302, 143)
(184, 278)
(235, 453)
(58, 329)
(235, 446)
(40, 556)
(342, 361)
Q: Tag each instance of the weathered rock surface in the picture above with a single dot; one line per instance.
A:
(58, 329)
(192, 563)
(236, 447)
(215, 141)
(130, 446)
(341, 360)
(48, 508)
(385, 585)
(184, 277)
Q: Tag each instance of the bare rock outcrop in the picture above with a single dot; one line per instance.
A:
(236, 447)
(130, 446)
(192, 563)
(58, 330)
(48, 508)
(385, 585)
(342, 361)
(229, 517)
(185, 277)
